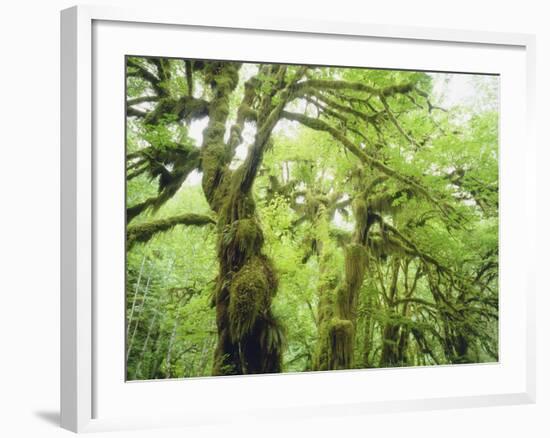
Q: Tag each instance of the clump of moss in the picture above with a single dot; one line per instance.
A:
(325, 308)
(215, 129)
(250, 295)
(361, 213)
(261, 350)
(360, 210)
(328, 282)
(321, 358)
(239, 242)
(341, 343)
(272, 336)
(356, 260)
(222, 76)
(248, 236)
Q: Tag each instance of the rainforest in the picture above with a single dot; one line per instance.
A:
(290, 218)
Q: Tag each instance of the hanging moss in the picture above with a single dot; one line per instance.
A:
(250, 294)
(246, 293)
(361, 213)
(248, 236)
(239, 242)
(355, 263)
(360, 210)
(326, 300)
(390, 343)
(144, 232)
(328, 283)
(272, 337)
(341, 329)
(263, 348)
(341, 343)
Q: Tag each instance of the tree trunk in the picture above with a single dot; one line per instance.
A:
(390, 333)
(338, 308)
(390, 339)
(250, 338)
(368, 331)
(328, 282)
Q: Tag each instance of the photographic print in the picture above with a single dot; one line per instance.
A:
(297, 218)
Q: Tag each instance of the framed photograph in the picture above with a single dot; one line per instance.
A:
(280, 218)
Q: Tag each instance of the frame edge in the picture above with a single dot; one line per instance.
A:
(68, 358)
(76, 185)
(75, 212)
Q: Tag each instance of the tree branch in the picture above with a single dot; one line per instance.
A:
(133, 112)
(142, 99)
(145, 74)
(355, 86)
(144, 232)
(319, 125)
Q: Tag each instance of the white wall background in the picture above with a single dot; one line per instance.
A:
(29, 220)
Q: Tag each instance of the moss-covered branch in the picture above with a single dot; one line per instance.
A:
(144, 232)
(322, 84)
(185, 108)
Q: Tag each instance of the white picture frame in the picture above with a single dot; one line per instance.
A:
(81, 170)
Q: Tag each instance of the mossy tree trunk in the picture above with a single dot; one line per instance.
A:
(250, 338)
(338, 306)
(368, 329)
(390, 332)
(328, 283)
(455, 325)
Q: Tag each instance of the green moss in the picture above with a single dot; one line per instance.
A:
(246, 293)
(325, 312)
(250, 294)
(361, 213)
(355, 264)
(144, 232)
(213, 159)
(240, 241)
(360, 210)
(341, 343)
(273, 337)
(215, 130)
(222, 76)
(248, 236)
(236, 205)
(381, 203)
